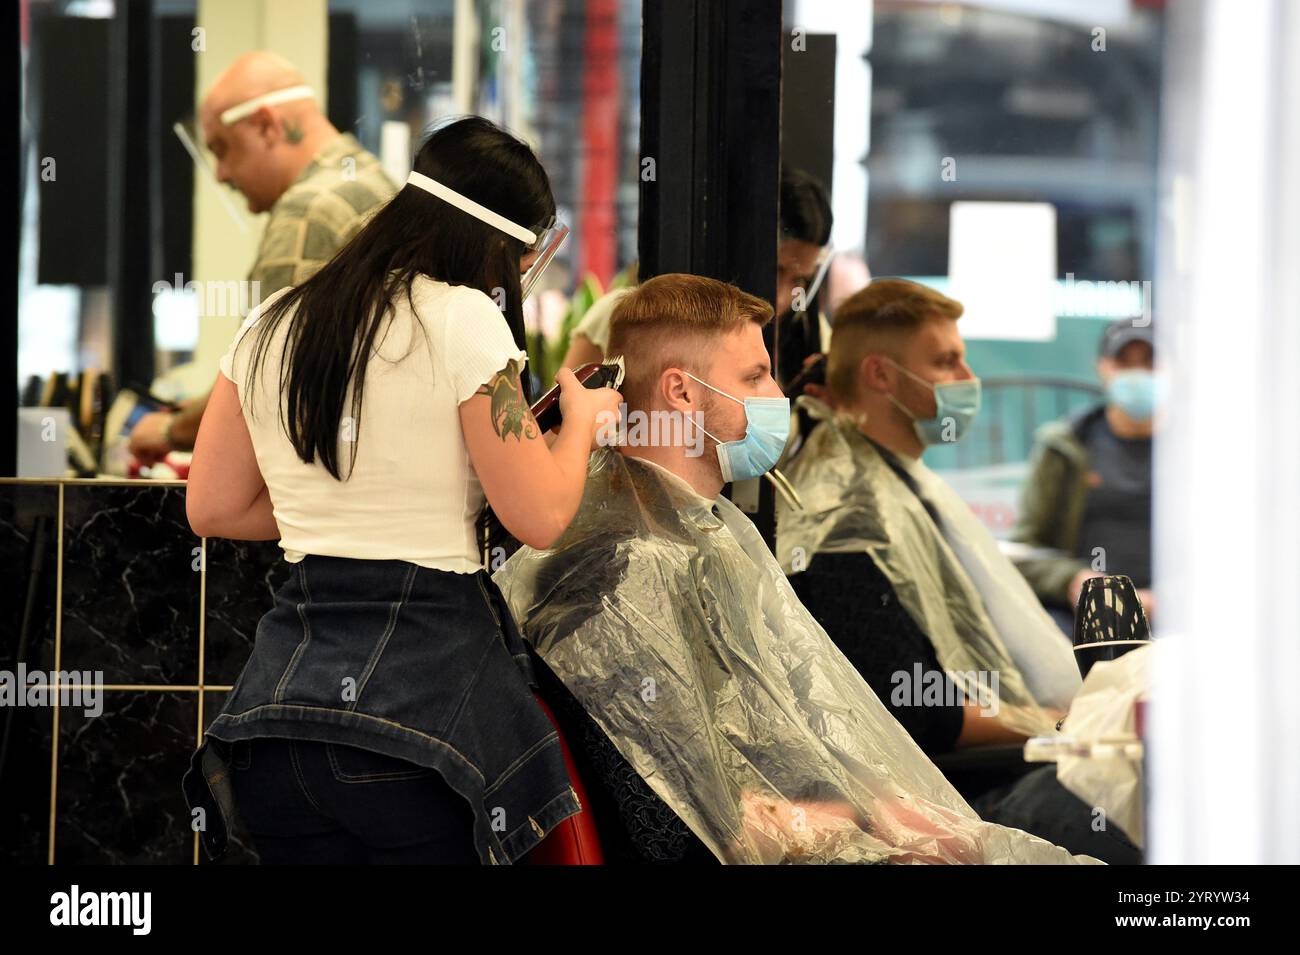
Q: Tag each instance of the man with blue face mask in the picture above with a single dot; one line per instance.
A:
(910, 585)
(1086, 507)
(710, 717)
(881, 536)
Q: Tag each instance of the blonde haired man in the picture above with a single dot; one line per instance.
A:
(712, 718)
(907, 582)
(893, 342)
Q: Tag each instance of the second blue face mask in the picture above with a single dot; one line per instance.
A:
(1134, 392)
(767, 426)
(956, 404)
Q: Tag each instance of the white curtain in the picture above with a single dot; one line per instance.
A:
(1225, 724)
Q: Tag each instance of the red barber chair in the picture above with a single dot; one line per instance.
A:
(574, 841)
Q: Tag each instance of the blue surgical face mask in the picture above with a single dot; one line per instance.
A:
(767, 425)
(956, 404)
(1133, 391)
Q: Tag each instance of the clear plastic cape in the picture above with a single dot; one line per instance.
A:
(969, 599)
(666, 616)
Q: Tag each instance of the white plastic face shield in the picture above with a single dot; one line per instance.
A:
(548, 244)
(192, 138)
(186, 134)
(823, 266)
(545, 242)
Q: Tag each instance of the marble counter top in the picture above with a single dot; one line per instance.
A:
(105, 576)
(92, 482)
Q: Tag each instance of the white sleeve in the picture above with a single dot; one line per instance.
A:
(232, 369)
(232, 365)
(476, 343)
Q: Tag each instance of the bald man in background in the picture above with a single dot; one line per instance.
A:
(286, 158)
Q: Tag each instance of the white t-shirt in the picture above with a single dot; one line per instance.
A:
(412, 494)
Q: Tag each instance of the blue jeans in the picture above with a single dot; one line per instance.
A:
(311, 803)
(417, 665)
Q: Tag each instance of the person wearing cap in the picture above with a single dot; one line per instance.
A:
(264, 126)
(365, 418)
(1086, 507)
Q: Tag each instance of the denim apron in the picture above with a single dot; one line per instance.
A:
(418, 664)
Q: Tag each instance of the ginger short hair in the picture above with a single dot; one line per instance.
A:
(670, 321)
(880, 318)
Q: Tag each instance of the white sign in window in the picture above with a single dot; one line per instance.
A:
(1002, 268)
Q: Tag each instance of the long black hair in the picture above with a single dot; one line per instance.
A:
(336, 314)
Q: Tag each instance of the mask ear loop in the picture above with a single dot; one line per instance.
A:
(711, 388)
(910, 374)
(691, 417)
(779, 480)
(724, 394)
(898, 404)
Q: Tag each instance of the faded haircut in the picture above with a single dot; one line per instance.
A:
(670, 321)
(880, 318)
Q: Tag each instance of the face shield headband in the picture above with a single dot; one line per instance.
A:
(546, 242)
(189, 137)
(250, 106)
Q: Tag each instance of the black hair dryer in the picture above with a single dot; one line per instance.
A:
(1109, 621)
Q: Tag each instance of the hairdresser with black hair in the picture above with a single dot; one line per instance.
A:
(801, 259)
(386, 714)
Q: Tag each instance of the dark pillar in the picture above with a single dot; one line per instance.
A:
(134, 161)
(13, 171)
(711, 122)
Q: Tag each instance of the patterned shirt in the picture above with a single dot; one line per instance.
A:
(325, 207)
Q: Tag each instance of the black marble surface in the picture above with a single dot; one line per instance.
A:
(28, 561)
(25, 786)
(28, 585)
(242, 578)
(131, 579)
(119, 794)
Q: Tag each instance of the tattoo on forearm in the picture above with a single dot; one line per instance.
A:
(510, 413)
